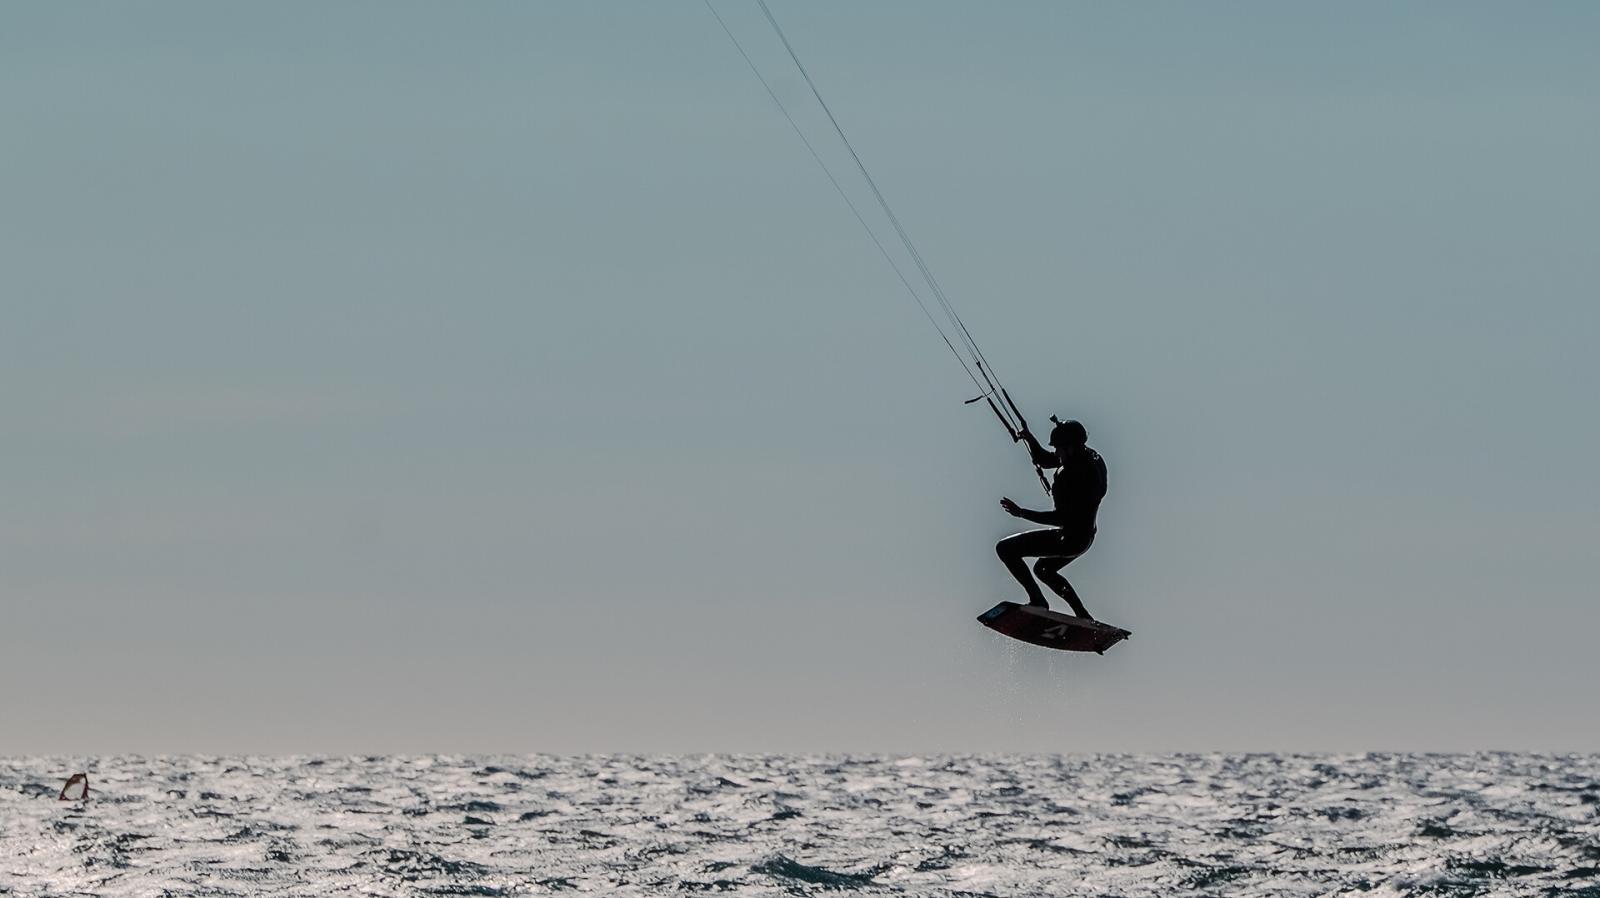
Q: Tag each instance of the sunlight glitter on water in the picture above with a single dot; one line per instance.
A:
(1267, 825)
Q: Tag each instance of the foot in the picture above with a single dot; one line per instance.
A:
(1038, 603)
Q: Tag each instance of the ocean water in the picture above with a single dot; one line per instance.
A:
(1123, 825)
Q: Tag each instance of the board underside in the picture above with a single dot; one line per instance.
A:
(1051, 629)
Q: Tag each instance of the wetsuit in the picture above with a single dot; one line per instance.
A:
(1078, 486)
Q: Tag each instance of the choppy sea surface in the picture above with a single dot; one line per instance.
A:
(1173, 825)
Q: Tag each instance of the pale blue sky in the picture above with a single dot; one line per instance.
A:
(386, 377)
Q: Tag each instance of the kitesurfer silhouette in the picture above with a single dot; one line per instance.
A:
(1078, 487)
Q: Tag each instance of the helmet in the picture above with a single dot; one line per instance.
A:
(1068, 433)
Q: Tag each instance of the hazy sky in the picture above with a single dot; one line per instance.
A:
(506, 377)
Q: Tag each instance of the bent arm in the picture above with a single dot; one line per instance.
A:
(1048, 518)
(1040, 457)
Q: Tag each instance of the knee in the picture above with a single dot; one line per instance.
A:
(1045, 568)
(1006, 550)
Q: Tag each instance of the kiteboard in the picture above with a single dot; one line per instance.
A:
(1051, 629)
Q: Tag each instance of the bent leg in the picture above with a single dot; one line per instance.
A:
(1048, 570)
(1031, 544)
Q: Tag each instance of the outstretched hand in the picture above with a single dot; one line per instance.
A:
(1011, 508)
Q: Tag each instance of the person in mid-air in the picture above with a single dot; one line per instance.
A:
(1078, 487)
